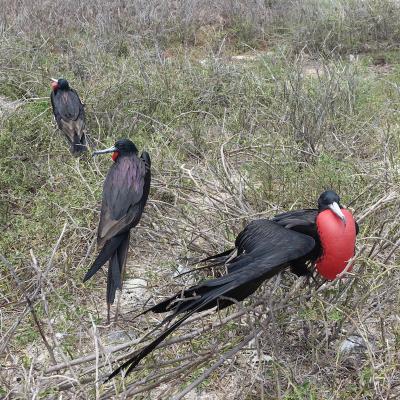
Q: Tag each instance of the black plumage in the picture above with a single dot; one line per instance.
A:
(125, 192)
(69, 114)
(263, 249)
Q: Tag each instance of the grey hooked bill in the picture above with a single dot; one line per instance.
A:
(336, 209)
(105, 151)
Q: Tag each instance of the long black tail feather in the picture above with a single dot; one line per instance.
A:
(224, 256)
(117, 262)
(78, 144)
(219, 259)
(165, 305)
(113, 278)
(210, 295)
(162, 307)
(111, 285)
(135, 360)
(105, 254)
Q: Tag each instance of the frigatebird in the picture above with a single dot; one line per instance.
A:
(324, 237)
(125, 192)
(69, 114)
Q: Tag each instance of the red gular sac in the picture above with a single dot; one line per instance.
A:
(338, 243)
(115, 155)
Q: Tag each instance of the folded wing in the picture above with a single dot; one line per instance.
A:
(66, 105)
(264, 249)
(125, 193)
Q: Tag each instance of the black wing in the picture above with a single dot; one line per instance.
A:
(69, 113)
(147, 177)
(303, 221)
(125, 192)
(67, 105)
(266, 248)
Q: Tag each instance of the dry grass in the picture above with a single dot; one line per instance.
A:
(231, 140)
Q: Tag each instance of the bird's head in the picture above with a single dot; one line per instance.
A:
(122, 147)
(329, 200)
(59, 84)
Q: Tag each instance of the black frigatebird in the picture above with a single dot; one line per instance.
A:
(69, 114)
(125, 192)
(324, 237)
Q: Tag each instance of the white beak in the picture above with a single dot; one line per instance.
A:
(336, 209)
(105, 151)
(54, 80)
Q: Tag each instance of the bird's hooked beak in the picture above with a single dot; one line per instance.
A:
(105, 151)
(54, 83)
(336, 210)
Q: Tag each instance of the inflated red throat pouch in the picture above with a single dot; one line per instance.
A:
(115, 155)
(338, 242)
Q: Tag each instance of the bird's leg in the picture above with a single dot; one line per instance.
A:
(321, 284)
(310, 278)
(117, 307)
(108, 313)
(313, 289)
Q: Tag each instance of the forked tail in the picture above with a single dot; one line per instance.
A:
(115, 250)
